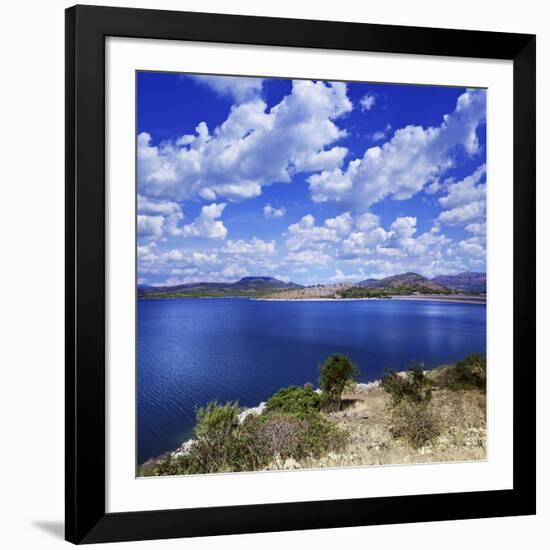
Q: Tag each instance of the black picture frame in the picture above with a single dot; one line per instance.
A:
(85, 517)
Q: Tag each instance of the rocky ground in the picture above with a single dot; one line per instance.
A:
(365, 416)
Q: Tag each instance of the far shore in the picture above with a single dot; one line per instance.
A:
(452, 298)
(462, 298)
(457, 298)
(317, 299)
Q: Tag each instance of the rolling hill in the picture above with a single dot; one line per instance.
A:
(468, 281)
(412, 281)
(247, 286)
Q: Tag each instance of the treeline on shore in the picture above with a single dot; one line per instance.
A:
(296, 421)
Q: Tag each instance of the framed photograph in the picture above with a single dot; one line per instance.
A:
(300, 274)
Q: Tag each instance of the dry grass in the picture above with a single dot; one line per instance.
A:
(367, 418)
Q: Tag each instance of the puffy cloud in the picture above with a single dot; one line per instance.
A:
(150, 226)
(305, 233)
(465, 201)
(270, 212)
(188, 257)
(338, 243)
(404, 228)
(463, 214)
(207, 225)
(254, 246)
(474, 246)
(146, 252)
(360, 243)
(341, 224)
(367, 102)
(465, 191)
(398, 244)
(158, 218)
(239, 88)
(253, 147)
(413, 158)
(154, 208)
(367, 221)
(308, 257)
(477, 228)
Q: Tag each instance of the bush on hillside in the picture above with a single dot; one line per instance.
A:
(469, 373)
(411, 417)
(414, 386)
(414, 422)
(294, 400)
(283, 435)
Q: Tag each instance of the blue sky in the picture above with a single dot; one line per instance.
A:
(309, 181)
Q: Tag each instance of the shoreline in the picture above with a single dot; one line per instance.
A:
(186, 445)
(457, 298)
(316, 299)
(365, 419)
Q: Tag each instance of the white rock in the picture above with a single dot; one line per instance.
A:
(184, 448)
(369, 386)
(253, 410)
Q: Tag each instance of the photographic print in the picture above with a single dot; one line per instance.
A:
(311, 274)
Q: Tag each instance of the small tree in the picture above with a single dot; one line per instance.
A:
(334, 374)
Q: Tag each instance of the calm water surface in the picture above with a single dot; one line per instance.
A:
(191, 351)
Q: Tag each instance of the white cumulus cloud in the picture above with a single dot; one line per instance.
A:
(305, 234)
(465, 201)
(254, 246)
(252, 148)
(207, 224)
(239, 88)
(401, 167)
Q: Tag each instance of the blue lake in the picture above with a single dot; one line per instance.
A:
(191, 351)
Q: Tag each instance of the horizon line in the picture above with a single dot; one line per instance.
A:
(161, 285)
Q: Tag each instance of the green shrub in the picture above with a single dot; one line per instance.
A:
(337, 371)
(411, 417)
(321, 437)
(294, 427)
(216, 421)
(414, 385)
(470, 373)
(215, 440)
(414, 422)
(294, 400)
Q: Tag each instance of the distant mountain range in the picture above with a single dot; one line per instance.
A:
(247, 286)
(468, 281)
(405, 283)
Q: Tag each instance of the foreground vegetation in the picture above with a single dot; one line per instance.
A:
(415, 416)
